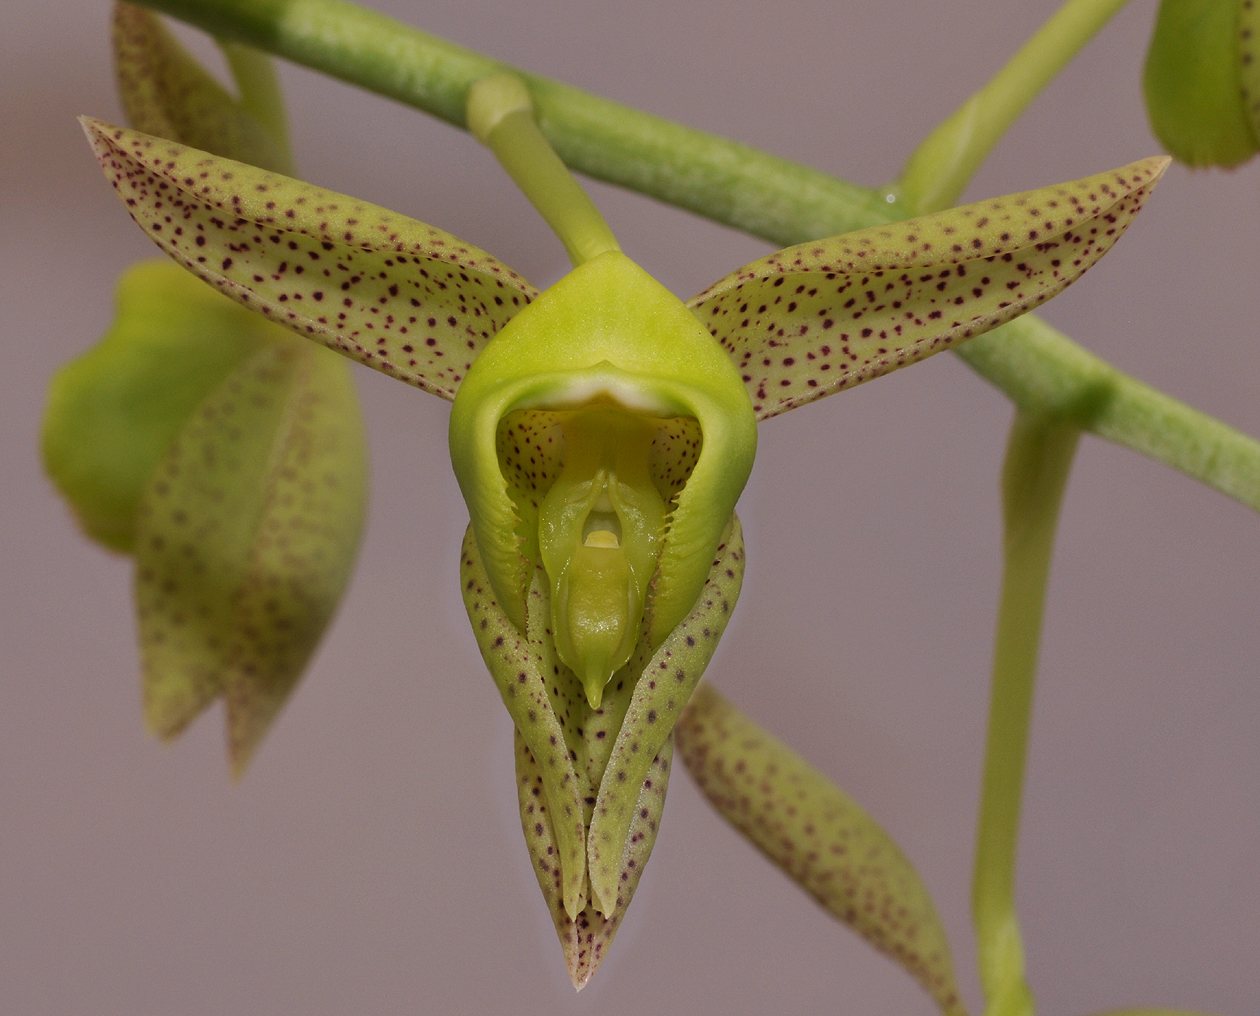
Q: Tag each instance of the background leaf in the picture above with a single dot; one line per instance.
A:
(402, 297)
(245, 538)
(1193, 86)
(812, 319)
(819, 836)
(113, 412)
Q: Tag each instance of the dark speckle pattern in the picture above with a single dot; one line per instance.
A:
(402, 297)
(586, 940)
(819, 836)
(811, 320)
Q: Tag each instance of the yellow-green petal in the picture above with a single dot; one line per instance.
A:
(811, 320)
(166, 93)
(402, 297)
(245, 538)
(819, 836)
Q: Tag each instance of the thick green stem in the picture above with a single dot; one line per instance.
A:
(259, 91)
(1038, 460)
(941, 167)
(501, 116)
(780, 201)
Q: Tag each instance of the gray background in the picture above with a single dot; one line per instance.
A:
(372, 859)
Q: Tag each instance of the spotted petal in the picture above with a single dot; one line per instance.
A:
(813, 319)
(819, 836)
(402, 297)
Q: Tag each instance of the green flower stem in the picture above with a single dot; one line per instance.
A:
(260, 94)
(939, 170)
(501, 116)
(1038, 460)
(769, 197)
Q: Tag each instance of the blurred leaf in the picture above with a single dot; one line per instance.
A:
(113, 412)
(390, 292)
(245, 539)
(812, 319)
(819, 836)
(1249, 61)
(166, 93)
(1194, 91)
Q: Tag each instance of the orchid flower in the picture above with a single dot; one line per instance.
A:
(601, 433)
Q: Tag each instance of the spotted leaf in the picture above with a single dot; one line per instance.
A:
(586, 939)
(245, 537)
(165, 92)
(819, 836)
(810, 320)
(402, 297)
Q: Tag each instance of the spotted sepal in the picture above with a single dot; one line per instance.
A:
(166, 93)
(245, 538)
(819, 836)
(811, 320)
(667, 677)
(402, 297)
(520, 672)
(587, 939)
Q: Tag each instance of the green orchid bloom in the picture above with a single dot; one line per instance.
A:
(602, 431)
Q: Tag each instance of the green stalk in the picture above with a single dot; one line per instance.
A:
(941, 167)
(1038, 460)
(501, 117)
(259, 90)
(769, 197)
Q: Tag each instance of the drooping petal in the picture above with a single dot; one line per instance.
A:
(813, 319)
(245, 537)
(402, 297)
(819, 836)
(587, 939)
(166, 93)
(113, 411)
